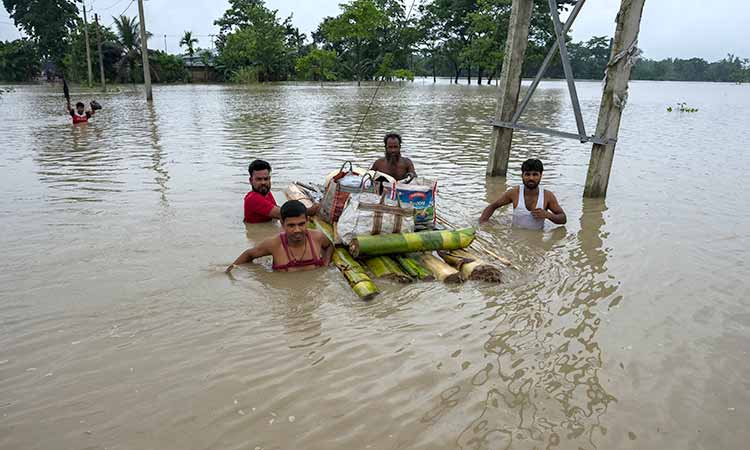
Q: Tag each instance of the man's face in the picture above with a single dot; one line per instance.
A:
(392, 149)
(80, 109)
(295, 228)
(531, 179)
(261, 181)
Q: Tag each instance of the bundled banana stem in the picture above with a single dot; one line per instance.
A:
(398, 243)
(471, 266)
(442, 271)
(386, 267)
(355, 274)
(414, 268)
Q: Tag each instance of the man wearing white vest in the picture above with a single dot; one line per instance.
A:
(532, 204)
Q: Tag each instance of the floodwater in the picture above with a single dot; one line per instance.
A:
(627, 328)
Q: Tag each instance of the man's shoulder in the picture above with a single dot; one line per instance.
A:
(379, 162)
(252, 195)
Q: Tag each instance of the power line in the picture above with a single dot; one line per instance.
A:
(123, 12)
(111, 6)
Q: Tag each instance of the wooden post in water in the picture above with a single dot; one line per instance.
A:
(615, 96)
(88, 47)
(144, 52)
(509, 85)
(101, 55)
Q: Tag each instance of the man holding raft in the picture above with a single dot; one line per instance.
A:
(296, 248)
(532, 204)
(260, 205)
(393, 164)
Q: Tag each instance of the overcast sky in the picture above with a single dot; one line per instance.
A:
(670, 28)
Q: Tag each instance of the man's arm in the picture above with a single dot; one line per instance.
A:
(411, 172)
(554, 211)
(311, 211)
(327, 247)
(262, 249)
(275, 213)
(67, 106)
(504, 199)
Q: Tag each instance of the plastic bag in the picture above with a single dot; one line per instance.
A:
(368, 213)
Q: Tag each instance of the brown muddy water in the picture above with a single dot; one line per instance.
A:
(627, 328)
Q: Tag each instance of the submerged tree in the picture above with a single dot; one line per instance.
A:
(252, 37)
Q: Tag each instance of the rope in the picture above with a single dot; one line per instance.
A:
(377, 89)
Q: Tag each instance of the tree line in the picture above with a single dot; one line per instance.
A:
(367, 40)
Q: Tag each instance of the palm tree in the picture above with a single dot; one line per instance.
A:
(129, 39)
(188, 40)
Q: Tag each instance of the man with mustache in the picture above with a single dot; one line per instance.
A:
(393, 163)
(260, 205)
(531, 204)
(296, 248)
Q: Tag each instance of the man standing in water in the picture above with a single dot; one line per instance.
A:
(393, 163)
(79, 114)
(260, 205)
(543, 203)
(296, 248)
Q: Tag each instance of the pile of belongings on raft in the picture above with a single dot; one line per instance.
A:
(391, 228)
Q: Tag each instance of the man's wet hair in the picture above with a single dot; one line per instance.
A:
(258, 165)
(292, 208)
(80, 104)
(532, 165)
(392, 136)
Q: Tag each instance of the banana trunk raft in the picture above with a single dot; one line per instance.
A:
(402, 257)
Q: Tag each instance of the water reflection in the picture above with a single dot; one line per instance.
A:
(161, 175)
(74, 162)
(543, 387)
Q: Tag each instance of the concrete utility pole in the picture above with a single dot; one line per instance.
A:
(101, 56)
(144, 53)
(88, 49)
(165, 43)
(509, 85)
(614, 96)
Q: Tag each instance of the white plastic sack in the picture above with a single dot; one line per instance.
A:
(355, 220)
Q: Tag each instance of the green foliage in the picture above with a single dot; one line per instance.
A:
(252, 36)
(729, 69)
(129, 39)
(363, 36)
(168, 68)
(19, 60)
(589, 59)
(318, 65)
(74, 60)
(189, 41)
(47, 22)
(683, 107)
(244, 75)
(403, 74)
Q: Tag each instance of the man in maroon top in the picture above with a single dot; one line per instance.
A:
(260, 205)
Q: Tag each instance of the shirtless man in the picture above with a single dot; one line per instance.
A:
(531, 204)
(393, 163)
(296, 248)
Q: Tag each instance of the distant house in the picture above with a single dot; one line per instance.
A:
(202, 70)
